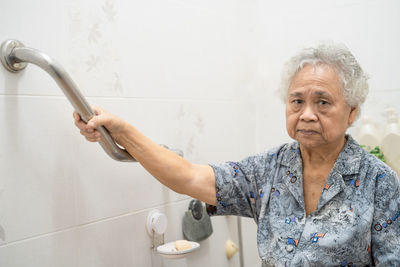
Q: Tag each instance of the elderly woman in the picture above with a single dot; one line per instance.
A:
(319, 201)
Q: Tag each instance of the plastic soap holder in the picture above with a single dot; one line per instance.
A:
(156, 226)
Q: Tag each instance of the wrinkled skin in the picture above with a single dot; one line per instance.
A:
(317, 114)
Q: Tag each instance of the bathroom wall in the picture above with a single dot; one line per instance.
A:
(196, 75)
(180, 71)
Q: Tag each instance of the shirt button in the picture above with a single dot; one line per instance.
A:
(289, 248)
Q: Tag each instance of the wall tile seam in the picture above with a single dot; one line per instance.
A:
(238, 100)
(156, 99)
(81, 226)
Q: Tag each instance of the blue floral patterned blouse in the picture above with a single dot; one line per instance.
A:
(356, 223)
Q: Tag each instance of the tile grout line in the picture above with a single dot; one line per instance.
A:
(217, 100)
(15, 242)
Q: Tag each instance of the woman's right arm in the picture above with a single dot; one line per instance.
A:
(175, 172)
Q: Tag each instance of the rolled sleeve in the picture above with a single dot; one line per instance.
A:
(240, 185)
(236, 192)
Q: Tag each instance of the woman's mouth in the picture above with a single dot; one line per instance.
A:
(307, 132)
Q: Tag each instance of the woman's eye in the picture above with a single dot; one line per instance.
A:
(297, 101)
(323, 102)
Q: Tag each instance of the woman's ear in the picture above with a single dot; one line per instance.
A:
(352, 115)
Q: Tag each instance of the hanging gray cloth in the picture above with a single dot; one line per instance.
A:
(196, 224)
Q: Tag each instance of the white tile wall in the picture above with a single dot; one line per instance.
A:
(179, 71)
(119, 241)
(54, 179)
(199, 76)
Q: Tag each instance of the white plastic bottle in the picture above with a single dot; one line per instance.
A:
(391, 140)
(368, 134)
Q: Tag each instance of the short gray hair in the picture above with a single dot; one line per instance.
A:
(336, 56)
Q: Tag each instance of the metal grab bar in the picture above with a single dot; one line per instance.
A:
(14, 56)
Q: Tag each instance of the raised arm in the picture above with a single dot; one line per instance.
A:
(175, 172)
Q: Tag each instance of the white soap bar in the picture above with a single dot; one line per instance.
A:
(182, 245)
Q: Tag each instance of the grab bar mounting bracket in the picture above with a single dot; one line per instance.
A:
(9, 61)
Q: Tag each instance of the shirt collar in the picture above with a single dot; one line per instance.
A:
(347, 163)
(349, 158)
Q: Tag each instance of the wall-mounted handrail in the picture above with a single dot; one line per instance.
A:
(15, 56)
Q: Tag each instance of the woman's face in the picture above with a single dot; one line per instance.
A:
(316, 111)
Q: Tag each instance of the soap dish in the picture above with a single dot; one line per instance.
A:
(169, 251)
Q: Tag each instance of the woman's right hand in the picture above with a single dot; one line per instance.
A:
(112, 123)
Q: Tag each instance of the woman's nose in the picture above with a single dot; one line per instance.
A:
(308, 114)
